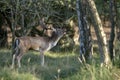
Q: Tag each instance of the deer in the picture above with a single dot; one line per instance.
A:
(39, 43)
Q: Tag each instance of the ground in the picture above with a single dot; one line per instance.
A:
(63, 65)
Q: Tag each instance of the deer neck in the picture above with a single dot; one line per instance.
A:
(54, 40)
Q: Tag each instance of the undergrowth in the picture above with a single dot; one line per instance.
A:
(58, 66)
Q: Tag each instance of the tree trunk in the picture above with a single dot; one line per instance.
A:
(3, 31)
(101, 36)
(85, 36)
(113, 28)
(13, 28)
(88, 38)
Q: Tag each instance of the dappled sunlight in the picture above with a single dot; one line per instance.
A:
(58, 65)
(59, 54)
(66, 63)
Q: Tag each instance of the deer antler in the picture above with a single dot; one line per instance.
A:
(46, 27)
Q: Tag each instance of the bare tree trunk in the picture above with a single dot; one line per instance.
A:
(3, 30)
(23, 24)
(13, 27)
(113, 28)
(81, 29)
(85, 36)
(101, 36)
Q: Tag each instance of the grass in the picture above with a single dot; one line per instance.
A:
(58, 66)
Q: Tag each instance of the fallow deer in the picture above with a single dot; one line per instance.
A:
(41, 44)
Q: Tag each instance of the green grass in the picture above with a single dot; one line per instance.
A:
(58, 66)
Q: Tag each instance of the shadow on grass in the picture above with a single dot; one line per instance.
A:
(55, 67)
(5, 58)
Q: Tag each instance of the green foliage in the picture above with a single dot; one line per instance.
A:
(33, 10)
(58, 66)
(92, 72)
(117, 54)
(28, 13)
(7, 74)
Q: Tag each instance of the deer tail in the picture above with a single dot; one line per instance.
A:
(16, 47)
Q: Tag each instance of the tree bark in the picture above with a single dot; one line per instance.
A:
(13, 27)
(101, 36)
(88, 38)
(85, 36)
(113, 29)
(3, 31)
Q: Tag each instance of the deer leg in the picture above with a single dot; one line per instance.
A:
(42, 58)
(14, 57)
(19, 60)
(19, 64)
(13, 61)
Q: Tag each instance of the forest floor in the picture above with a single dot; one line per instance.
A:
(59, 65)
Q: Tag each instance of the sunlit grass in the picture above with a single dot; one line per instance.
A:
(60, 54)
(58, 66)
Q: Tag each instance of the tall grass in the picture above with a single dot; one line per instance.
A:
(58, 66)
